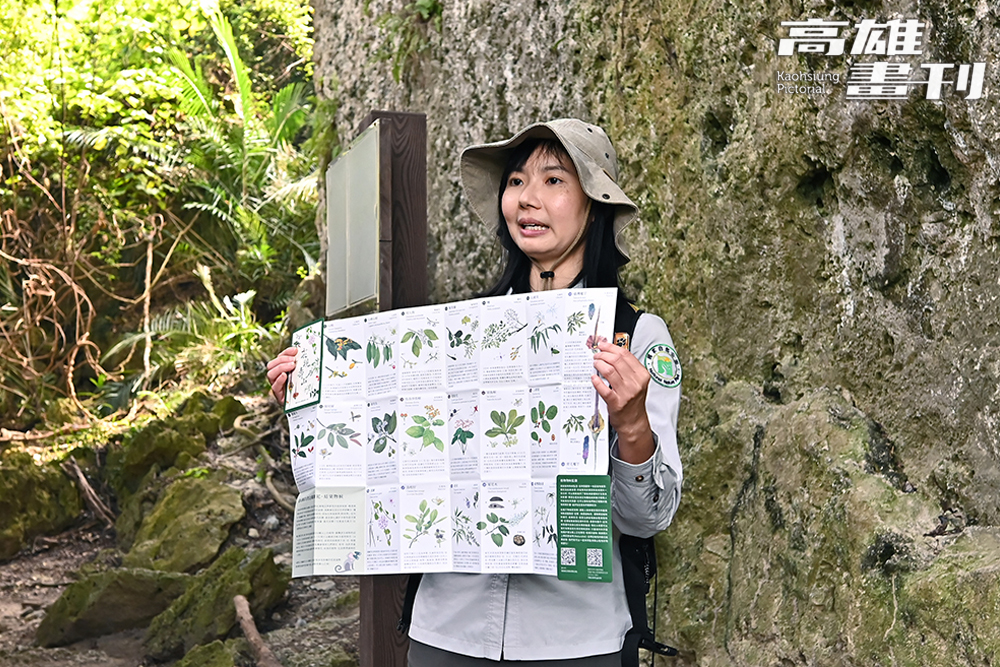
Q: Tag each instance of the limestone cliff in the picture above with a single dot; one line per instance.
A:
(828, 270)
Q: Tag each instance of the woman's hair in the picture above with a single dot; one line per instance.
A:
(601, 256)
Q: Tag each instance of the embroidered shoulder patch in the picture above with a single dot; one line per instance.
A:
(663, 364)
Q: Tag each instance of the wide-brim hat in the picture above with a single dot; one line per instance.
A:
(588, 147)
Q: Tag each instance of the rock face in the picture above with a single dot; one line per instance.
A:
(187, 526)
(34, 500)
(108, 602)
(206, 613)
(828, 271)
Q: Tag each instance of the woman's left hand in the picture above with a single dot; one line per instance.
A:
(625, 395)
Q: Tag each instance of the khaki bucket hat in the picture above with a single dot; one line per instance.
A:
(588, 147)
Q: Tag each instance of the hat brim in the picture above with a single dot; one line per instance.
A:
(483, 165)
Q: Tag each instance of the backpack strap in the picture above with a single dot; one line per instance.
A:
(626, 316)
(638, 569)
(411, 594)
(638, 554)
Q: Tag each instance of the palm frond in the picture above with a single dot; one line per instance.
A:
(224, 32)
(288, 114)
(196, 97)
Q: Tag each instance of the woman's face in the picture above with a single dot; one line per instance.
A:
(545, 208)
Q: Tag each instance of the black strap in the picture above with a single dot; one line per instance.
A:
(626, 316)
(638, 569)
(411, 594)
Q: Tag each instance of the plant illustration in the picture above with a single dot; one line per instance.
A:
(423, 428)
(339, 347)
(301, 445)
(462, 435)
(463, 530)
(420, 338)
(546, 534)
(422, 524)
(540, 337)
(378, 524)
(378, 350)
(339, 434)
(499, 527)
(384, 429)
(575, 322)
(463, 340)
(573, 423)
(497, 333)
(541, 419)
(506, 426)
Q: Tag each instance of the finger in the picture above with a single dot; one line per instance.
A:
(278, 387)
(285, 356)
(283, 369)
(608, 371)
(603, 390)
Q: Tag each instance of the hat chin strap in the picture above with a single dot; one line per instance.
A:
(547, 275)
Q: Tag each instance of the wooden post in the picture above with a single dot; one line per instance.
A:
(402, 283)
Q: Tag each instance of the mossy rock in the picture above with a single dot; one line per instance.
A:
(34, 500)
(227, 409)
(216, 654)
(108, 602)
(170, 442)
(188, 525)
(206, 612)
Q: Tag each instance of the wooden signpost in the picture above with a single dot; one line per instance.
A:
(402, 282)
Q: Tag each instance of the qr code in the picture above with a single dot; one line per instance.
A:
(568, 556)
(595, 558)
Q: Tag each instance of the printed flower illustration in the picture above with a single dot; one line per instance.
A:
(594, 341)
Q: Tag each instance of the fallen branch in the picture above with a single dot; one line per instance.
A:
(22, 436)
(262, 654)
(90, 497)
(277, 495)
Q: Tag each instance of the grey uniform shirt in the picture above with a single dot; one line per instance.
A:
(539, 617)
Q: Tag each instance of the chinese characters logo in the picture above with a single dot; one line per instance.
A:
(880, 80)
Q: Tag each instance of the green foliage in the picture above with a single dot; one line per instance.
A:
(407, 33)
(126, 165)
(212, 342)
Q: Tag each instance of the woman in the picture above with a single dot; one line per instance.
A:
(552, 192)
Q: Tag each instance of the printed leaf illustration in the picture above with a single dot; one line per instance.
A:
(420, 338)
(339, 434)
(540, 336)
(506, 426)
(541, 417)
(422, 524)
(575, 322)
(377, 351)
(500, 526)
(302, 444)
(423, 430)
(383, 428)
(339, 347)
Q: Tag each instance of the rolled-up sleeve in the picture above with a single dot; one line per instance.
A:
(644, 496)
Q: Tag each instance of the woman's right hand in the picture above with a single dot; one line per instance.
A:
(278, 370)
